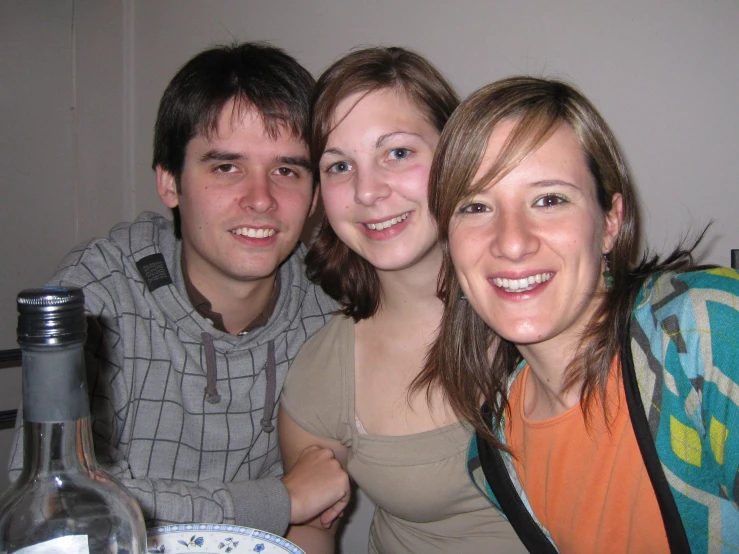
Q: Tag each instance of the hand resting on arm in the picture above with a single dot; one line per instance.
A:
(318, 484)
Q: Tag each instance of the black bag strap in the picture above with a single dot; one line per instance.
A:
(493, 467)
(677, 538)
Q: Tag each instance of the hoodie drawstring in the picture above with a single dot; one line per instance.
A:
(270, 370)
(269, 395)
(211, 370)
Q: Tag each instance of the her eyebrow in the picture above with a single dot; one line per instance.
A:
(382, 139)
(334, 151)
(551, 183)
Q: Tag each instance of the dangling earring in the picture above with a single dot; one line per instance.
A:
(607, 274)
(461, 294)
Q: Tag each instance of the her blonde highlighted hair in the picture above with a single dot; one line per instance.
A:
(467, 361)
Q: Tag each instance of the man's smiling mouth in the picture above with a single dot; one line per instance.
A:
(253, 233)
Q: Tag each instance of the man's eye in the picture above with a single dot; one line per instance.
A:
(226, 168)
(550, 201)
(474, 208)
(286, 172)
(399, 153)
(339, 167)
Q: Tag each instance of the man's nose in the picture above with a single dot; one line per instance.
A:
(256, 193)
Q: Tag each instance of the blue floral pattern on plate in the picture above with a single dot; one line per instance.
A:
(210, 538)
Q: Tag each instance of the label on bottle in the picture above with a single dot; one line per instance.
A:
(71, 544)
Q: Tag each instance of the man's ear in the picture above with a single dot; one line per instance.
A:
(167, 187)
(612, 224)
(314, 202)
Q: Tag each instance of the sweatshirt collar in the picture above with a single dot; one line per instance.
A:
(203, 306)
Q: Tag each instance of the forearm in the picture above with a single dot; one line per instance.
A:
(312, 539)
(261, 504)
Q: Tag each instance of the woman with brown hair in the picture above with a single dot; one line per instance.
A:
(377, 117)
(609, 391)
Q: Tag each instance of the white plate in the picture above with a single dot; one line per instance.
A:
(209, 538)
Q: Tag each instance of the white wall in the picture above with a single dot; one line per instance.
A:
(63, 146)
(80, 82)
(36, 164)
(663, 72)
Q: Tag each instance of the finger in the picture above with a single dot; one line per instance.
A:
(335, 511)
(309, 449)
(328, 516)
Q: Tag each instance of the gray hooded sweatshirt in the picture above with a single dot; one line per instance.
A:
(183, 414)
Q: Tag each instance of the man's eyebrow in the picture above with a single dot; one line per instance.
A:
(300, 161)
(225, 156)
(220, 156)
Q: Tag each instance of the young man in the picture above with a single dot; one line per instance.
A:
(192, 324)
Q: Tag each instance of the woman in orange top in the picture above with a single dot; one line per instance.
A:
(610, 391)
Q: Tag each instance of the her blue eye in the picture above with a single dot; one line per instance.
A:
(550, 201)
(399, 153)
(339, 167)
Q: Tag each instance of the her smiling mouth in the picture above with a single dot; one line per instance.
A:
(385, 224)
(523, 284)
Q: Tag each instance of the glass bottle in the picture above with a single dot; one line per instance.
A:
(62, 502)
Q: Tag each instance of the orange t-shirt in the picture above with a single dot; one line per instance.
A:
(589, 488)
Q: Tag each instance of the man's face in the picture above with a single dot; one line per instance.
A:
(243, 200)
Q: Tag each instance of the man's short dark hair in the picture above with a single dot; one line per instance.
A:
(256, 75)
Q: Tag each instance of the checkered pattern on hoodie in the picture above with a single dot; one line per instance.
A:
(185, 459)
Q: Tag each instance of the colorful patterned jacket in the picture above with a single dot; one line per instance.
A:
(680, 367)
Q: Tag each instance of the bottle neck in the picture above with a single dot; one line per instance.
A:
(58, 447)
(56, 423)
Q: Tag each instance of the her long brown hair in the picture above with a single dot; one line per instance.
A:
(468, 361)
(343, 274)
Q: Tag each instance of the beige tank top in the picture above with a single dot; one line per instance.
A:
(425, 501)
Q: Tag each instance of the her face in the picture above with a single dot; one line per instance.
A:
(374, 179)
(528, 250)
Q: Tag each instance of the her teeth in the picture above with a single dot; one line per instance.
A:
(525, 283)
(386, 224)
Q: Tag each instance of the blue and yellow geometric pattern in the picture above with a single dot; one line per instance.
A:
(685, 346)
(685, 351)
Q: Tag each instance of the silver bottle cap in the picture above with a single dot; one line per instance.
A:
(51, 316)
